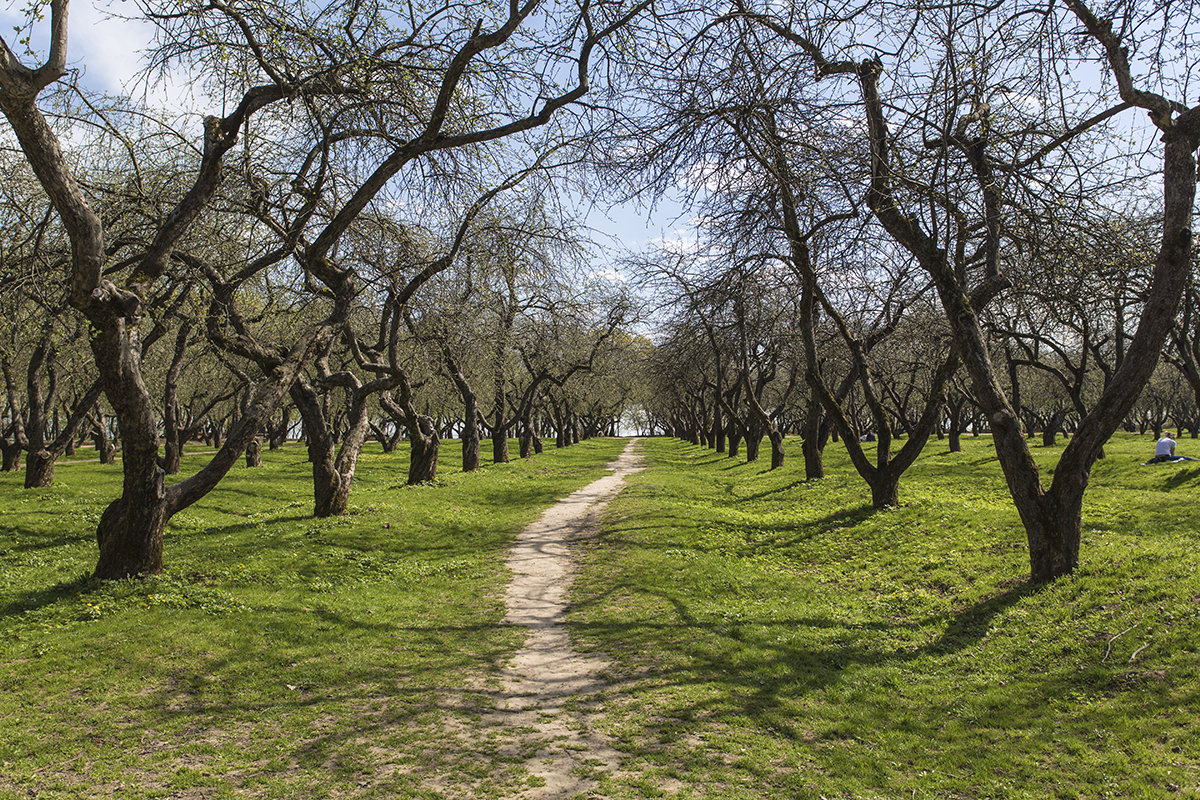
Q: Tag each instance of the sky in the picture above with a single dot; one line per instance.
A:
(107, 51)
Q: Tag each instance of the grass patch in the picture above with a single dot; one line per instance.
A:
(278, 655)
(768, 637)
(771, 637)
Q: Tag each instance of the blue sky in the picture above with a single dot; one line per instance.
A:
(107, 51)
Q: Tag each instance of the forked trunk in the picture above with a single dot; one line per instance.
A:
(331, 495)
(39, 469)
(333, 472)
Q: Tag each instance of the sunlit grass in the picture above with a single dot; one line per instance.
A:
(768, 637)
(278, 655)
(776, 638)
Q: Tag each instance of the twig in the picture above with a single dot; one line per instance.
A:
(1135, 652)
(1108, 652)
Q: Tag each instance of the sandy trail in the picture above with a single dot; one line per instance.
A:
(547, 686)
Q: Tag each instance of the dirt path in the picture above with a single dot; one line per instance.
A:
(546, 688)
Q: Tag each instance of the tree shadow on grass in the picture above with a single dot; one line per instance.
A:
(239, 527)
(810, 529)
(776, 490)
(34, 540)
(722, 675)
(739, 462)
(45, 596)
(1183, 476)
(969, 626)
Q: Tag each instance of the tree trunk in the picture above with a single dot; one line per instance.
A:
(279, 435)
(423, 459)
(499, 445)
(39, 469)
(130, 533)
(753, 440)
(470, 433)
(39, 463)
(814, 460)
(955, 428)
(14, 440)
(885, 490)
(11, 451)
(333, 472)
(104, 446)
(525, 439)
(470, 443)
(254, 453)
(777, 453)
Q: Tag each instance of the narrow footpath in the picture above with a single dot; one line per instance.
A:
(546, 688)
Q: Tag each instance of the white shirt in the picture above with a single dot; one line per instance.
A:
(1164, 447)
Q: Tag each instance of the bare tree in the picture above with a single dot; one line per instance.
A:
(981, 156)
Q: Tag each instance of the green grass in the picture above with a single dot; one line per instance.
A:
(768, 637)
(278, 655)
(775, 638)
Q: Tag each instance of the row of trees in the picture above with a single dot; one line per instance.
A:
(909, 216)
(914, 207)
(361, 158)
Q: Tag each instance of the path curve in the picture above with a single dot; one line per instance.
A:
(543, 686)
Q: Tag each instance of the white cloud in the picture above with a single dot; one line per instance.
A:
(108, 50)
(681, 241)
(608, 275)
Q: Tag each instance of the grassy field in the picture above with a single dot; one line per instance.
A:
(768, 637)
(279, 656)
(774, 638)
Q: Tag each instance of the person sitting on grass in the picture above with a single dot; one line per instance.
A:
(1164, 451)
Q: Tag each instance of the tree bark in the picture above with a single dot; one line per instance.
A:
(254, 453)
(39, 463)
(814, 462)
(172, 435)
(885, 490)
(333, 463)
(104, 446)
(424, 441)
